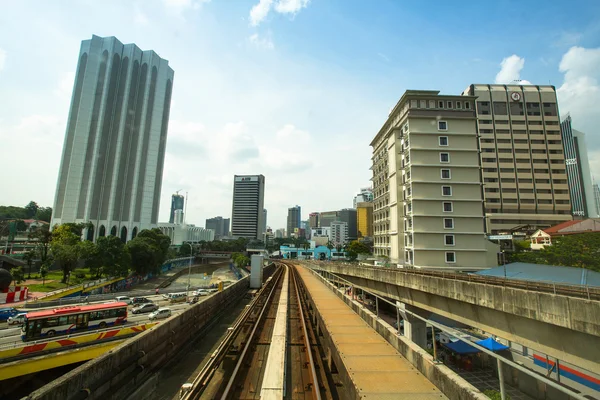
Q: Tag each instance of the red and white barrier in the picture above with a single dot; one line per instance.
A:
(14, 294)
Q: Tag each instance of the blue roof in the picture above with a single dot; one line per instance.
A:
(545, 273)
(491, 344)
(461, 347)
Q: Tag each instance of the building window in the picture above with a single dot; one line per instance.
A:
(446, 190)
(500, 108)
(448, 223)
(445, 172)
(450, 257)
(442, 126)
(447, 206)
(443, 140)
(467, 105)
(445, 157)
(440, 104)
(449, 240)
(448, 104)
(458, 105)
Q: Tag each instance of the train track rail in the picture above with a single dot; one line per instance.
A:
(271, 351)
(586, 292)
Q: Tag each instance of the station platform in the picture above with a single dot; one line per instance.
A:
(375, 369)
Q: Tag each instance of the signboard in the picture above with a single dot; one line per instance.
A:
(500, 237)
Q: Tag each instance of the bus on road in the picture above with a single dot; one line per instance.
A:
(68, 320)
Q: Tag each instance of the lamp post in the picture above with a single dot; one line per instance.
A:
(187, 293)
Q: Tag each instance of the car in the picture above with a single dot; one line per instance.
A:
(161, 313)
(18, 319)
(123, 299)
(144, 308)
(140, 300)
(200, 292)
(8, 312)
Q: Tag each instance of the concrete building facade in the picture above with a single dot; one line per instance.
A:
(220, 225)
(180, 233)
(313, 220)
(338, 233)
(596, 197)
(348, 215)
(114, 148)
(427, 209)
(364, 220)
(578, 171)
(177, 202)
(248, 206)
(293, 220)
(327, 217)
(521, 156)
(365, 195)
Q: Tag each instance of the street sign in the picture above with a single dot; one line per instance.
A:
(500, 237)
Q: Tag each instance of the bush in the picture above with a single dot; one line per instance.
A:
(494, 394)
(80, 275)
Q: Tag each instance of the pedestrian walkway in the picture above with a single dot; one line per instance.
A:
(377, 370)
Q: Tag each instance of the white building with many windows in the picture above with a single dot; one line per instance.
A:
(338, 233)
(427, 208)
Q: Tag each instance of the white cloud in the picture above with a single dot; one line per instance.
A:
(290, 6)
(2, 58)
(510, 69)
(261, 42)
(260, 11)
(289, 133)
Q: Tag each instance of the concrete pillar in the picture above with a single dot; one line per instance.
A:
(414, 328)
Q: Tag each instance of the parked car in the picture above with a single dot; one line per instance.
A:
(144, 308)
(200, 292)
(8, 312)
(140, 300)
(123, 299)
(178, 298)
(161, 313)
(18, 319)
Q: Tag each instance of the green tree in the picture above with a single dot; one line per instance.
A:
(66, 248)
(31, 209)
(29, 257)
(42, 236)
(17, 274)
(114, 256)
(355, 248)
(91, 256)
(148, 250)
(44, 214)
(21, 225)
(185, 250)
(44, 273)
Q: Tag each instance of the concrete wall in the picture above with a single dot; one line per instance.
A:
(119, 372)
(563, 327)
(450, 383)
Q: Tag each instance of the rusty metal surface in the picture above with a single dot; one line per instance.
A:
(377, 369)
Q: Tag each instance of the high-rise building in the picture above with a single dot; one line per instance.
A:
(280, 233)
(114, 149)
(365, 195)
(522, 157)
(364, 219)
(264, 221)
(313, 220)
(348, 215)
(578, 171)
(293, 219)
(338, 233)
(597, 197)
(248, 206)
(327, 217)
(427, 208)
(220, 225)
(177, 201)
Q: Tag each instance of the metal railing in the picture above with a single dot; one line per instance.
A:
(564, 289)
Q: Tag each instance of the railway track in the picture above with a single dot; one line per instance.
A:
(270, 352)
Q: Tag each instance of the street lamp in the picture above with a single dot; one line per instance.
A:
(187, 292)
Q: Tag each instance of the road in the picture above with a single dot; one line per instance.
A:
(10, 336)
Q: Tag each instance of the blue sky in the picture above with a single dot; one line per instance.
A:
(292, 89)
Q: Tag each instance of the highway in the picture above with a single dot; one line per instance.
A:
(10, 335)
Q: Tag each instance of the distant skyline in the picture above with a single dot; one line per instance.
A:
(291, 89)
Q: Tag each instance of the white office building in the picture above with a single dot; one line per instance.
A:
(114, 149)
(248, 206)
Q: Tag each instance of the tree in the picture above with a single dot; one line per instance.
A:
(355, 248)
(148, 250)
(113, 256)
(44, 214)
(185, 250)
(43, 236)
(66, 248)
(29, 257)
(31, 209)
(21, 225)
(17, 274)
(44, 273)
(90, 255)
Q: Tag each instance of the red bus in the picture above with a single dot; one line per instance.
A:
(68, 320)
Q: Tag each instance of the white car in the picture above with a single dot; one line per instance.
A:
(124, 299)
(161, 313)
(200, 292)
(18, 319)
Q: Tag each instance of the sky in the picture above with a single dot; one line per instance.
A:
(291, 89)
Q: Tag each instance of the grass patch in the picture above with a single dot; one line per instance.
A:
(56, 277)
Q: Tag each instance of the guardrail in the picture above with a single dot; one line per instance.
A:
(581, 291)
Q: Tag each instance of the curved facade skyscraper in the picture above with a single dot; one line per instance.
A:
(114, 149)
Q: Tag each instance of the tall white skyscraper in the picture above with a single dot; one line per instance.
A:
(248, 206)
(113, 154)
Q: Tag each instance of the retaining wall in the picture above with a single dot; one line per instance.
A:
(116, 374)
